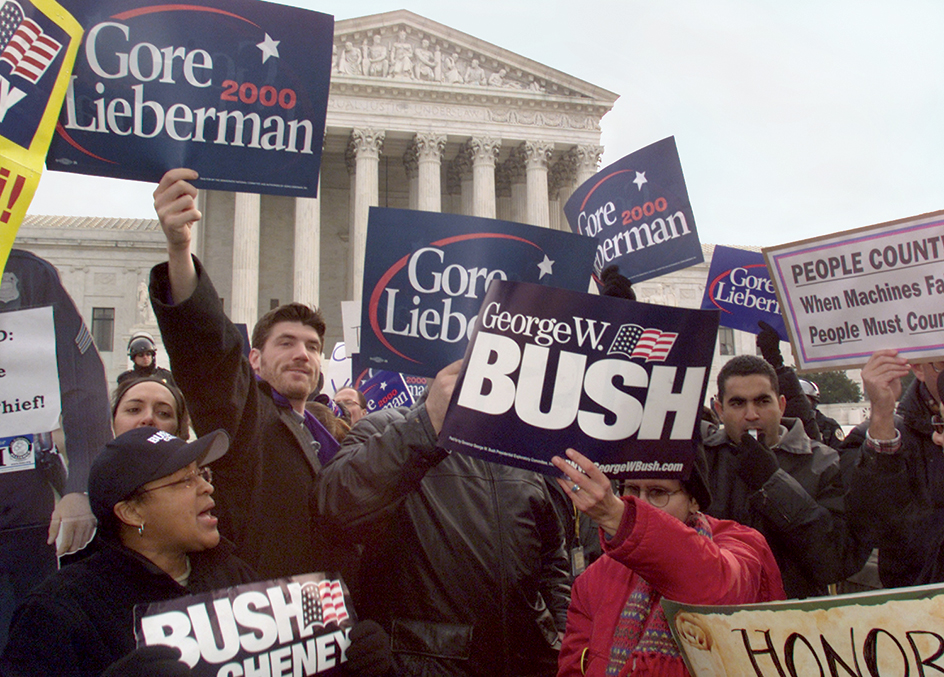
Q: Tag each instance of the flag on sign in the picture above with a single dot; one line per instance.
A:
(24, 46)
(651, 345)
(332, 600)
(323, 603)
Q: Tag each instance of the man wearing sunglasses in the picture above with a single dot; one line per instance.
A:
(897, 494)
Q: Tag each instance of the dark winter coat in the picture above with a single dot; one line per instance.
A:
(264, 481)
(897, 500)
(464, 562)
(800, 510)
(81, 619)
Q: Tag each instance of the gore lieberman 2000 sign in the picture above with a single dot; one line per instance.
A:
(235, 89)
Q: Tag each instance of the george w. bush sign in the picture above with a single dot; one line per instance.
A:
(619, 381)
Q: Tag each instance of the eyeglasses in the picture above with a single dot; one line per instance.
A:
(655, 496)
(189, 480)
(938, 424)
(937, 366)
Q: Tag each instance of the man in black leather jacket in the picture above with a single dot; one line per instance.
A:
(464, 562)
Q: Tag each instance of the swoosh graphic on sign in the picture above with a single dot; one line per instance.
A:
(72, 142)
(597, 185)
(714, 283)
(154, 9)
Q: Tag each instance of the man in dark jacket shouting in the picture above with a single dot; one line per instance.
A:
(766, 472)
(277, 447)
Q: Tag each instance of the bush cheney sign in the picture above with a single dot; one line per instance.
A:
(739, 285)
(638, 210)
(235, 89)
(425, 275)
(289, 626)
(620, 381)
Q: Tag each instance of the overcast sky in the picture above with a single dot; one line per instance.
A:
(793, 118)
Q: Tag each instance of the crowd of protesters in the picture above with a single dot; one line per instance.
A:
(456, 566)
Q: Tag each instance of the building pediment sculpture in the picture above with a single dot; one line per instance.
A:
(416, 49)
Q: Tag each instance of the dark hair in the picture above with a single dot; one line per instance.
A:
(183, 417)
(746, 365)
(361, 399)
(289, 312)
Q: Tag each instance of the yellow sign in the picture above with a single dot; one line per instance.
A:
(38, 44)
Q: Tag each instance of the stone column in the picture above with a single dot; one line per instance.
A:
(429, 151)
(503, 207)
(560, 186)
(245, 303)
(461, 168)
(483, 152)
(454, 188)
(515, 170)
(537, 156)
(307, 271)
(366, 144)
(196, 229)
(588, 160)
(411, 166)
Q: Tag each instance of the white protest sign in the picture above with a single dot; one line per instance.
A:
(849, 294)
(29, 375)
(337, 370)
(887, 632)
(351, 322)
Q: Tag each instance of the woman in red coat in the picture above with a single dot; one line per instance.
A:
(657, 544)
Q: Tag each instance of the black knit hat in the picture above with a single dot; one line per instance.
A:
(697, 482)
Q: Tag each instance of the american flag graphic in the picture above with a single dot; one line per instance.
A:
(637, 343)
(23, 44)
(323, 603)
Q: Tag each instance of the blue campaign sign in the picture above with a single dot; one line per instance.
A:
(235, 89)
(619, 381)
(425, 275)
(638, 210)
(387, 389)
(739, 285)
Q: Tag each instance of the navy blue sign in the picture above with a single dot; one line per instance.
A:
(619, 381)
(638, 210)
(740, 287)
(425, 275)
(32, 49)
(387, 389)
(235, 89)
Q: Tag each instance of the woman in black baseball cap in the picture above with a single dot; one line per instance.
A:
(158, 540)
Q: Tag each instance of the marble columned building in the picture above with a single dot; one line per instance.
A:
(420, 116)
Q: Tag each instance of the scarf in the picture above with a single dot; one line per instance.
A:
(328, 446)
(642, 626)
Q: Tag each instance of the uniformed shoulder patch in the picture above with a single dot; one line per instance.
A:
(83, 339)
